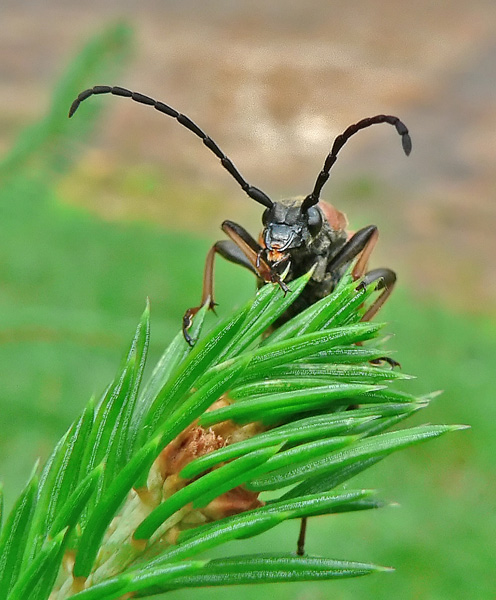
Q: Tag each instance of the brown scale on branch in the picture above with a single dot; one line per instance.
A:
(196, 441)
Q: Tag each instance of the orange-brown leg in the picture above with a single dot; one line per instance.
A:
(231, 252)
(254, 254)
(358, 248)
(241, 249)
(387, 280)
(361, 246)
(363, 258)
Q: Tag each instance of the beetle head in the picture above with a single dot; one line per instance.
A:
(287, 227)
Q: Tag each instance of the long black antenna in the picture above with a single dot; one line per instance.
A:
(226, 162)
(341, 140)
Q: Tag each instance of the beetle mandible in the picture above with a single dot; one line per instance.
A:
(298, 233)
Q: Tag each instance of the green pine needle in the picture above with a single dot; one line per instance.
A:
(146, 480)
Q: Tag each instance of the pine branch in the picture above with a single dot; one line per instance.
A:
(146, 480)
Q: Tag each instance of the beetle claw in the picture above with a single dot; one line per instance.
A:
(187, 322)
(390, 361)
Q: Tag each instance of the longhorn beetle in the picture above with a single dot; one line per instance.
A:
(298, 233)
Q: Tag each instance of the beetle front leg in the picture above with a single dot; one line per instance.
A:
(243, 250)
(255, 254)
(207, 292)
(300, 544)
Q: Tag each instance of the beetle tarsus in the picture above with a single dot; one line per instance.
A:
(281, 284)
(187, 322)
(190, 313)
(390, 361)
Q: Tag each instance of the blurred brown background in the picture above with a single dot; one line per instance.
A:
(273, 83)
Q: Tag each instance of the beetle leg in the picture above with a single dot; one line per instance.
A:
(255, 254)
(300, 547)
(360, 244)
(231, 252)
(243, 250)
(207, 292)
(363, 260)
(386, 279)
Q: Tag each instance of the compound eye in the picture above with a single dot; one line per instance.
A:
(314, 221)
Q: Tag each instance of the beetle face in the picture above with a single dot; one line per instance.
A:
(282, 237)
(286, 227)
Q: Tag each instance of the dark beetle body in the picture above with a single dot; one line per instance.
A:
(298, 234)
(306, 250)
(293, 242)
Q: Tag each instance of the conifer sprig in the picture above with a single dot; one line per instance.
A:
(146, 480)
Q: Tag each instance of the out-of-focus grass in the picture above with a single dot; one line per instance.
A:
(71, 289)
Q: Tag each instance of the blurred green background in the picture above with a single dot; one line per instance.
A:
(120, 203)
